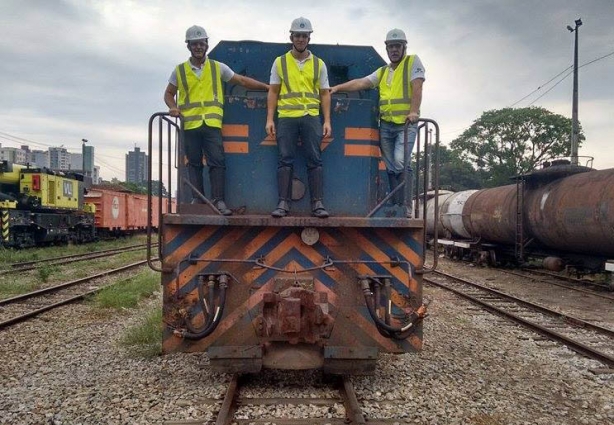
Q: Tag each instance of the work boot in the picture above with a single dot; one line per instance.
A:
(195, 176)
(316, 189)
(284, 190)
(217, 177)
(282, 209)
(399, 196)
(393, 182)
(407, 194)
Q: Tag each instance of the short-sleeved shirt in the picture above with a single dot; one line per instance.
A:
(225, 72)
(417, 71)
(276, 78)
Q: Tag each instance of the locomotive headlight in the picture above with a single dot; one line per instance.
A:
(310, 235)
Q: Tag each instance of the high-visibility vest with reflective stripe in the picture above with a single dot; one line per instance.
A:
(200, 99)
(300, 89)
(395, 99)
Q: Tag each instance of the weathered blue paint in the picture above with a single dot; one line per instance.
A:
(350, 181)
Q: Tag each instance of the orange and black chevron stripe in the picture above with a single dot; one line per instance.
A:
(193, 251)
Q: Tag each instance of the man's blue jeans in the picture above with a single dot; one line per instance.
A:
(392, 145)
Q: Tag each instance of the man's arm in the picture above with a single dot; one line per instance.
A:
(416, 100)
(271, 107)
(248, 82)
(325, 103)
(352, 85)
(169, 99)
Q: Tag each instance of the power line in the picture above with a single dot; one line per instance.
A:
(539, 88)
(558, 82)
(546, 83)
(595, 60)
(548, 91)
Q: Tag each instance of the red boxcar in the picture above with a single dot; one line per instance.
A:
(122, 212)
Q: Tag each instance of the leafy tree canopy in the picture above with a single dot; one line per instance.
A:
(456, 173)
(505, 142)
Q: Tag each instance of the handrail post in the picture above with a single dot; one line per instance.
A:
(160, 116)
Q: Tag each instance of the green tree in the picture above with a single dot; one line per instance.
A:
(156, 185)
(455, 172)
(135, 187)
(506, 142)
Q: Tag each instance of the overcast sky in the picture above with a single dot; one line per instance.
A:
(97, 69)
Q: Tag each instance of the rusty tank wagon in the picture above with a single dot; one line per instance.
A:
(561, 212)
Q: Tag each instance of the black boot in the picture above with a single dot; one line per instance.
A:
(316, 189)
(195, 176)
(284, 189)
(407, 193)
(399, 196)
(217, 176)
(393, 182)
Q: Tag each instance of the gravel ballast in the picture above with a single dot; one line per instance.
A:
(66, 367)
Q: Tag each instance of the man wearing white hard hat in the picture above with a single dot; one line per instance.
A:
(299, 87)
(195, 92)
(400, 95)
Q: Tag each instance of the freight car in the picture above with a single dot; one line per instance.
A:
(39, 206)
(296, 292)
(561, 212)
(120, 213)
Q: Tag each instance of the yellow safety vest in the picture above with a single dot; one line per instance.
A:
(395, 99)
(300, 89)
(200, 99)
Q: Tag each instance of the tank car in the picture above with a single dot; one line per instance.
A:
(39, 206)
(297, 292)
(560, 210)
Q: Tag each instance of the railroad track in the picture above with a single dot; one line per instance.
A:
(343, 409)
(584, 337)
(567, 282)
(67, 259)
(25, 306)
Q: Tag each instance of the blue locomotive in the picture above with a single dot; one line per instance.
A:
(296, 292)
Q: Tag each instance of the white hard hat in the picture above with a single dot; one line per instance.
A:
(301, 25)
(195, 33)
(395, 35)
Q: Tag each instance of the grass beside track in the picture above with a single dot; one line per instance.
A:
(9, 256)
(127, 292)
(52, 274)
(144, 339)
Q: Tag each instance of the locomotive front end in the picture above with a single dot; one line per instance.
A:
(291, 294)
(297, 292)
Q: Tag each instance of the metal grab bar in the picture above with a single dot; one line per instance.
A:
(161, 117)
(435, 184)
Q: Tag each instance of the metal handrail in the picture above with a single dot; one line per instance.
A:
(425, 124)
(177, 124)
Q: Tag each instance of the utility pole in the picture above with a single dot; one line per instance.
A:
(574, 108)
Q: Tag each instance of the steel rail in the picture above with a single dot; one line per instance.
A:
(527, 275)
(56, 288)
(30, 265)
(572, 344)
